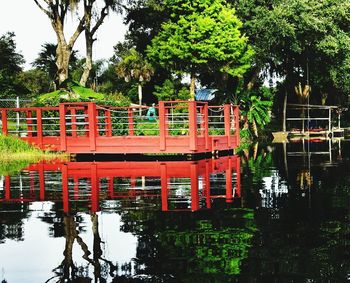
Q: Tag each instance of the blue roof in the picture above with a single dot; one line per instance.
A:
(205, 94)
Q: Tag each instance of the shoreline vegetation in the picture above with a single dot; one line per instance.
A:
(16, 154)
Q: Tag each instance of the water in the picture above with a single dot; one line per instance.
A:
(277, 213)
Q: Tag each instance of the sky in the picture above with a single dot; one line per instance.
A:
(33, 28)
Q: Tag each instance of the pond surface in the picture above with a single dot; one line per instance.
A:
(276, 213)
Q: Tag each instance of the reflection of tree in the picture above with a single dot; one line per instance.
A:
(67, 270)
(257, 163)
(311, 239)
(182, 247)
(11, 226)
(304, 179)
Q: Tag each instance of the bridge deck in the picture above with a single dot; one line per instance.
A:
(180, 127)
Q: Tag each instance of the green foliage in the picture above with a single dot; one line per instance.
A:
(146, 128)
(16, 154)
(109, 83)
(133, 66)
(72, 92)
(201, 35)
(10, 144)
(9, 168)
(10, 66)
(116, 99)
(257, 110)
(171, 91)
(35, 80)
(255, 107)
(289, 35)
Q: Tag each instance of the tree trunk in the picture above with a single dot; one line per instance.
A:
(57, 12)
(192, 86)
(253, 79)
(63, 53)
(88, 62)
(89, 34)
(139, 87)
(284, 111)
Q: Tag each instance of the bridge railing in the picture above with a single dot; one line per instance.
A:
(86, 119)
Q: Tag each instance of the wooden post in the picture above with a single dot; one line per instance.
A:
(108, 121)
(76, 187)
(73, 113)
(92, 125)
(329, 119)
(164, 186)
(192, 115)
(162, 126)
(7, 188)
(39, 125)
(238, 176)
(42, 181)
(206, 125)
(207, 184)
(65, 188)
(4, 122)
(227, 121)
(95, 190)
(228, 175)
(131, 121)
(194, 187)
(237, 130)
(29, 117)
(63, 136)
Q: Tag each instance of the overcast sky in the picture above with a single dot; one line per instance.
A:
(32, 28)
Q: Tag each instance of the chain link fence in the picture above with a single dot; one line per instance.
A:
(14, 103)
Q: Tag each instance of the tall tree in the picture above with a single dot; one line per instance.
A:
(94, 18)
(201, 35)
(57, 10)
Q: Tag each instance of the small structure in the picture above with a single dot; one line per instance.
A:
(313, 121)
(182, 127)
(206, 94)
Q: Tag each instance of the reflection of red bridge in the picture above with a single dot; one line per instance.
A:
(181, 127)
(104, 181)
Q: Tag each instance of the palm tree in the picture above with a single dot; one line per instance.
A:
(133, 66)
(256, 112)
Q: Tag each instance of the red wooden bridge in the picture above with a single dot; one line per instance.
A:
(186, 127)
(180, 185)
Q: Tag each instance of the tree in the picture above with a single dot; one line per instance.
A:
(256, 112)
(92, 23)
(201, 35)
(57, 10)
(10, 66)
(300, 40)
(46, 61)
(171, 90)
(36, 81)
(134, 67)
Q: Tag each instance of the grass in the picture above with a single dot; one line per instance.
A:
(16, 154)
